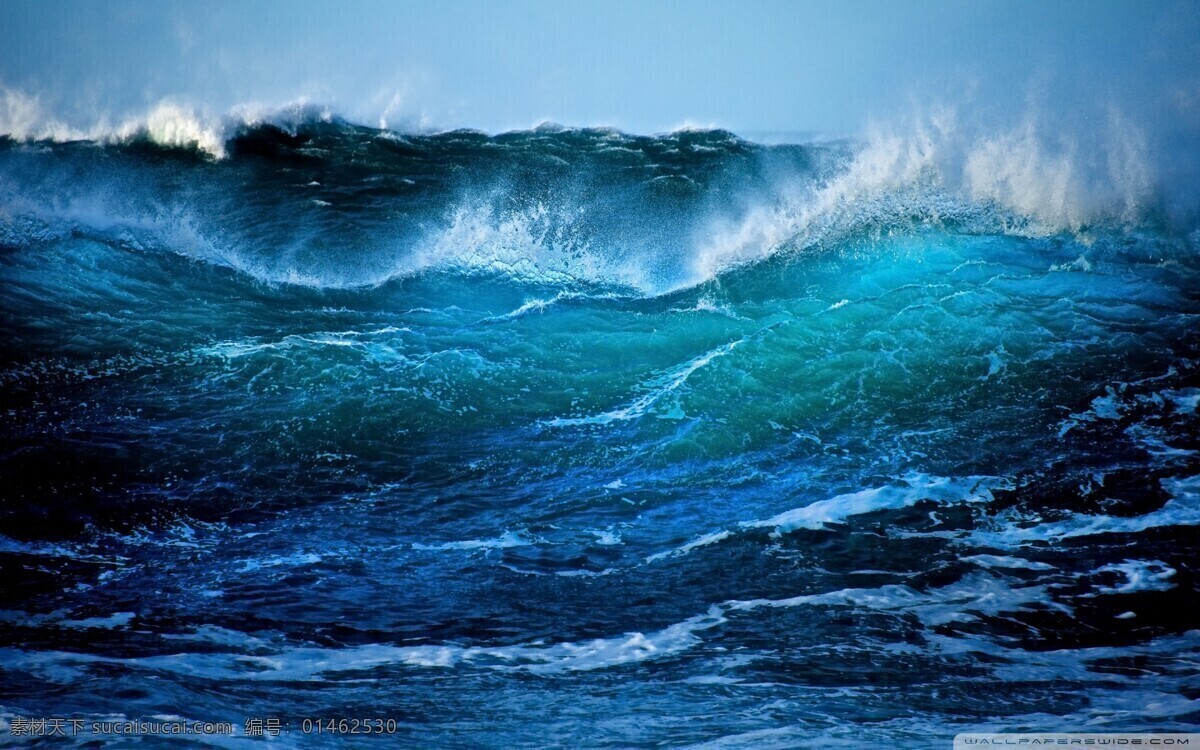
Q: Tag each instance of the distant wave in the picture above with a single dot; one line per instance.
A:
(169, 123)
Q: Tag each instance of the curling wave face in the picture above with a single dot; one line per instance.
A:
(767, 444)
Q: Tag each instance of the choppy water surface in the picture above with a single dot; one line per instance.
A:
(571, 437)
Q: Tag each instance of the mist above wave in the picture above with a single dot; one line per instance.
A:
(1028, 178)
(169, 123)
(297, 195)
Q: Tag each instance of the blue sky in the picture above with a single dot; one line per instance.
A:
(797, 66)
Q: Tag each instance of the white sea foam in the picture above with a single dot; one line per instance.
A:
(1001, 561)
(504, 541)
(974, 596)
(311, 664)
(541, 305)
(23, 118)
(300, 559)
(115, 620)
(1184, 400)
(684, 549)
(538, 243)
(1042, 181)
(1183, 509)
(1139, 575)
(918, 487)
(659, 387)
(962, 601)
(168, 123)
(245, 347)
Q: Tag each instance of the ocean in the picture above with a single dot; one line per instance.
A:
(572, 437)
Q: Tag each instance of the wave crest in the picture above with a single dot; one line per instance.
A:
(1028, 180)
(169, 123)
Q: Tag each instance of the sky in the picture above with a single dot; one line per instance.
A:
(642, 66)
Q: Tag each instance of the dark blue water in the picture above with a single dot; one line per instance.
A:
(575, 438)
